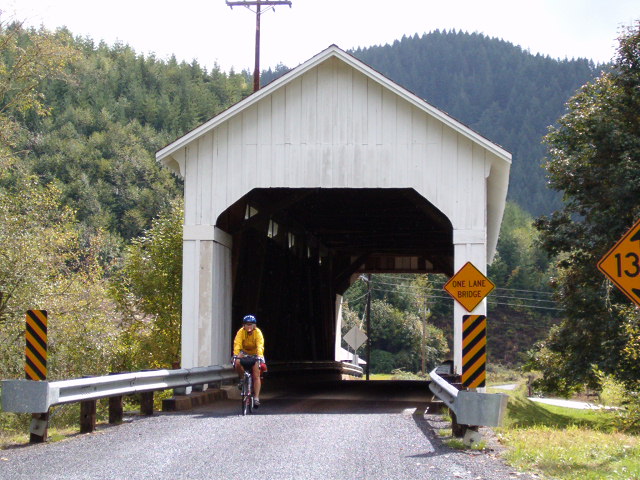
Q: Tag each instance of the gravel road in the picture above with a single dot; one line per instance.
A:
(303, 438)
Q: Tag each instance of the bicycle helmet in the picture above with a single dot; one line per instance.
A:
(249, 319)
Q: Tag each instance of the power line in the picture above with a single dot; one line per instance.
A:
(493, 295)
(408, 288)
(539, 292)
(436, 286)
(490, 300)
(522, 305)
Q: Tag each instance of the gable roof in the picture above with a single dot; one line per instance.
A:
(165, 154)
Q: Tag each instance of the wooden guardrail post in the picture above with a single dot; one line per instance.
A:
(116, 411)
(457, 430)
(146, 403)
(39, 428)
(88, 416)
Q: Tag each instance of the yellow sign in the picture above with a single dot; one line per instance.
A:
(469, 286)
(621, 264)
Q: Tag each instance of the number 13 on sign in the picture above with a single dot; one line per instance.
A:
(621, 264)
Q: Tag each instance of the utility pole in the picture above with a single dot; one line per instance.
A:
(271, 5)
(368, 324)
(426, 314)
(423, 341)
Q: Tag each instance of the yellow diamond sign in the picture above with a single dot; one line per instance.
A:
(469, 286)
(621, 264)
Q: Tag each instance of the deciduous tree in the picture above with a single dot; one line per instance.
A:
(594, 161)
(149, 292)
(25, 62)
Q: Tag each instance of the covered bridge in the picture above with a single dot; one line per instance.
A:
(328, 172)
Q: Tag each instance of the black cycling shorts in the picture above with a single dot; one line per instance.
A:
(248, 362)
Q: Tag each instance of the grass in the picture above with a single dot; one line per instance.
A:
(498, 375)
(567, 444)
(395, 375)
(561, 443)
(8, 439)
(380, 376)
(574, 453)
(522, 413)
(64, 420)
(458, 444)
(55, 434)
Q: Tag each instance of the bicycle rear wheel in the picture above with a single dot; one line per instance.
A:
(245, 405)
(247, 395)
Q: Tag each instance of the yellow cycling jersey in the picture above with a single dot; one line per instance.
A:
(251, 344)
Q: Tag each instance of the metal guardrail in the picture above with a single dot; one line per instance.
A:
(37, 397)
(443, 390)
(471, 408)
(351, 369)
(26, 396)
(328, 366)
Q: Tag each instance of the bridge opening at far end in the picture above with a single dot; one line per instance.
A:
(408, 327)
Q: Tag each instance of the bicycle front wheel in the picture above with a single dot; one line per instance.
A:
(247, 395)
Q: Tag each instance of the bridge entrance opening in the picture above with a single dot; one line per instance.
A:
(295, 251)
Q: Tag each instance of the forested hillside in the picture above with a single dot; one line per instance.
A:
(111, 110)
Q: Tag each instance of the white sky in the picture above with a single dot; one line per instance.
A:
(209, 31)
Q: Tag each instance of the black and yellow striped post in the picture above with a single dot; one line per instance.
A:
(35, 366)
(474, 351)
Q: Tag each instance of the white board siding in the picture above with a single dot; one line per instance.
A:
(220, 168)
(308, 118)
(284, 141)
(403, 142)
(234, 150)
(464, 169)
(190, 184)
(249, 147)
(264, 161)
(343, 130)
(205, 174)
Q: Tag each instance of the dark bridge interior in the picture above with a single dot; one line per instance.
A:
(294, 250)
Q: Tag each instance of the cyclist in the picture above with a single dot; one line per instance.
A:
(249, 341)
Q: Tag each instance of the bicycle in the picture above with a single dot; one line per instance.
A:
(247, 393)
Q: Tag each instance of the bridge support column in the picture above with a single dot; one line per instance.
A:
(469, 246)
(206, 296)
